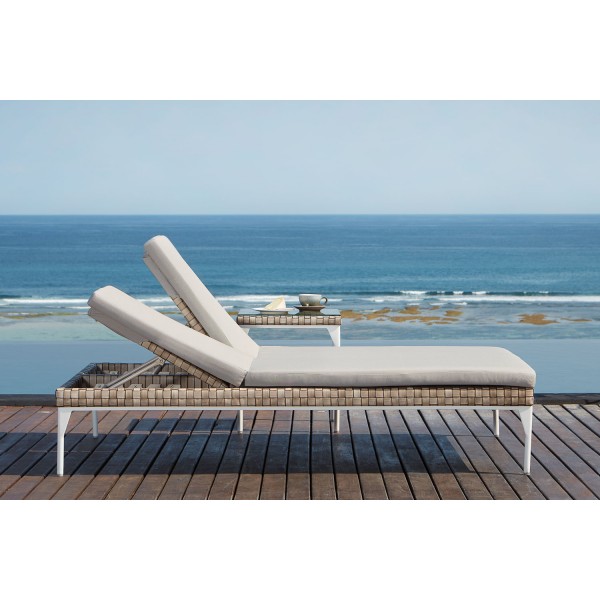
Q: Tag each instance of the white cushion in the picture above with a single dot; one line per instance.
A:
(178, 279)
(137, 322)
(380, 366)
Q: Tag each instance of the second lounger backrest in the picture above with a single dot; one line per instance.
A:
(178, 280)
(139, 323)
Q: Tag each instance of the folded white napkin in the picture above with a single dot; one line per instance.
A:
(277, 304)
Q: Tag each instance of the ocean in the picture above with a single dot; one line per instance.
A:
(396, 278)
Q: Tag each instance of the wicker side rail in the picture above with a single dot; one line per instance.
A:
(247, 397)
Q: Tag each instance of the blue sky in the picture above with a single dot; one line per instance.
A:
(152, 157)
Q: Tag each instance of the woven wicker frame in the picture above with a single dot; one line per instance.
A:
(308, 320)
(188, 315)
(77, 393)
(206, 378)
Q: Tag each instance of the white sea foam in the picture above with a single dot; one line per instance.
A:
(255, 298)
(80, 301)
(532, 299)
(380, 299)
(41, 301)
(481, 297)
(264, 299)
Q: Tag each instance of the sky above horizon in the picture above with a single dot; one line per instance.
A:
(401, 157)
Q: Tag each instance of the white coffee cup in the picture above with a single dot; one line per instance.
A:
(312, 299)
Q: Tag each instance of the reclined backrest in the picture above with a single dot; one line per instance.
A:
(199, 305)
(141, 324)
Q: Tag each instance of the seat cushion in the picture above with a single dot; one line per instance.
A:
(178, 280)
(385, 366)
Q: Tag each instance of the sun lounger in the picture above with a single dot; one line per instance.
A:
(293, 378)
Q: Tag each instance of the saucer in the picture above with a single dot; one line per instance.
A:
(276, 312)
(318, 308)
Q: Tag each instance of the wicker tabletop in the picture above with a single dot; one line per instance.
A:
(325, 317)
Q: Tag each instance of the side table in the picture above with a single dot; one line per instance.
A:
(328, 318)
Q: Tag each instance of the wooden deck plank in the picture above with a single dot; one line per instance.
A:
(16, 429)
(394, 477)
(421, 485)
(18, 472)
(82, 465)
(181, 475)
(18, 444)
(7, 412)
(594, 410)
(498, 487)
(153, 483)
(133, 475)
(585, 416)
(587, 443)
(572, 451)
(150, 485)
(207, 467)
(298, 478)
(251, 474)
(14, 420)
(392, 471)
(471, 483)
(227, 476)
(111, 470)
(510, 468)
(552, 463)
(275, 469)
(369, 475)
(443, 478)
(347, 482)
(322, 481)
(539, 475)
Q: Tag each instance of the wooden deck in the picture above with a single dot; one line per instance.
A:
(294, 455)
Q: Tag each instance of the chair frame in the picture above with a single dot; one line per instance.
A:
(114, 396)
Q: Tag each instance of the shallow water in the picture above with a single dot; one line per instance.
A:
(562, 366)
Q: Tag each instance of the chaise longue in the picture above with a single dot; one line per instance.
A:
(225, 369)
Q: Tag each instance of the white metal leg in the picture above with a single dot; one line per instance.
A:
(335, 331)
(95, 423)
(334, 415)
(526, 415)
(241, 421)
(64, 414)
(497, 423)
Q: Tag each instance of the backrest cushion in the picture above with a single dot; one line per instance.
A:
(140, 323)
(178, 280)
